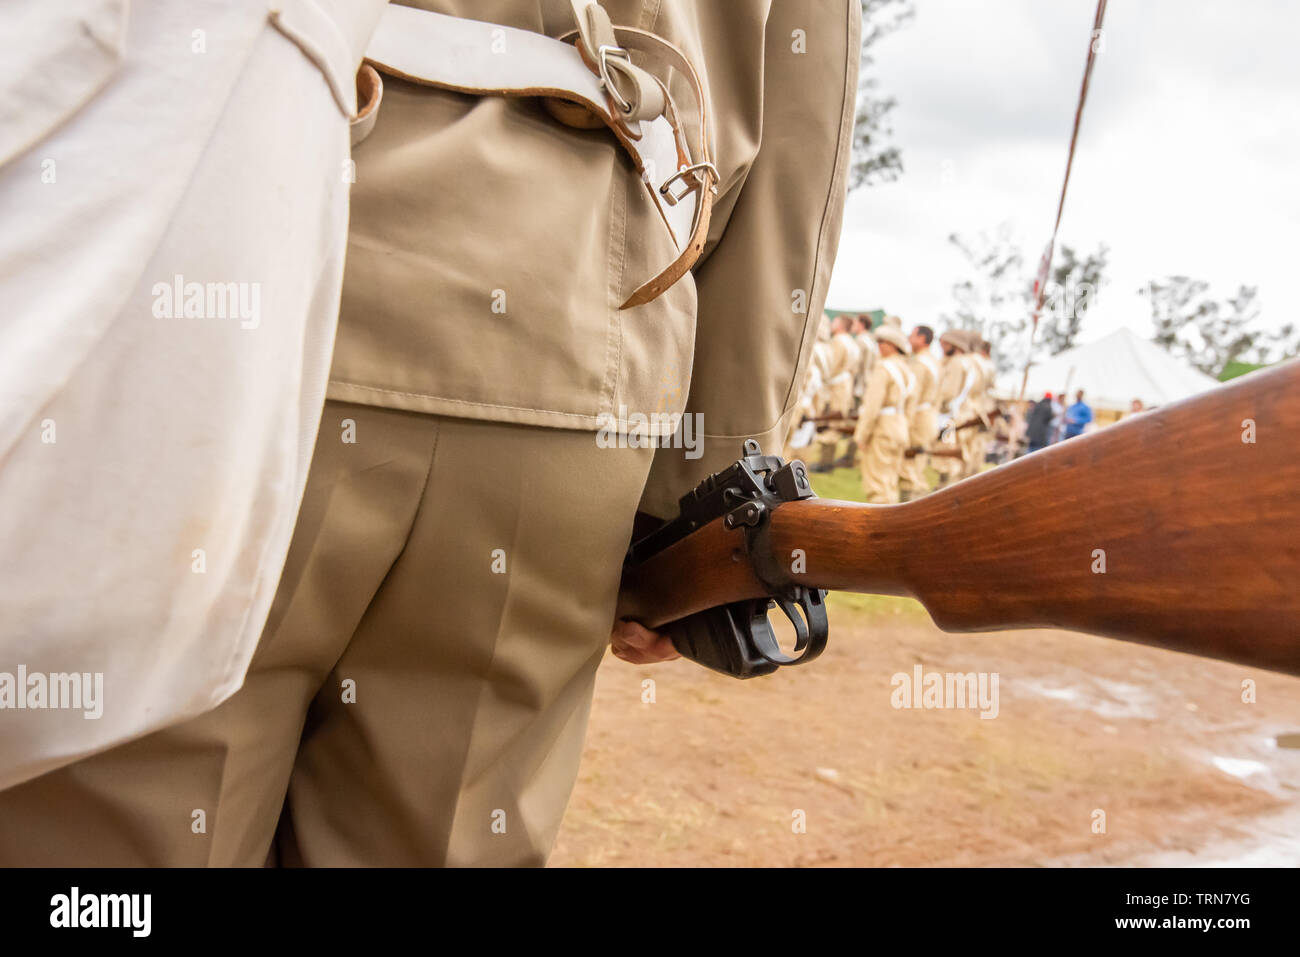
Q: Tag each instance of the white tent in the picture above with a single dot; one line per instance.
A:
(1112, 372)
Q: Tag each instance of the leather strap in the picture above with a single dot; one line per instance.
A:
(694, 168)
(370, 92)
(473, 56)
(634, 93)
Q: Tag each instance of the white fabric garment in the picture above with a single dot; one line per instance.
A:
(153, 448)
(803, 436)
(958, 405)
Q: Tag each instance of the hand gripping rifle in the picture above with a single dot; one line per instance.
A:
(1178, 528)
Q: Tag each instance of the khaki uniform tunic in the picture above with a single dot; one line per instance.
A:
(974, 441)
(953, 378)
(846, 361)
(845, 358)
(813, 396)
(922, 429)
(881, 434)
(421, 690)
(870, 357)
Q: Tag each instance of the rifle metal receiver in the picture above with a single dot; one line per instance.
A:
(738, 639)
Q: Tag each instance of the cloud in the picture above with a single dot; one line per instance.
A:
(1186, 162)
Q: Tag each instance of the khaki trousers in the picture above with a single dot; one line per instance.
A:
(421, 690)
(921, 432)
(882, 459)
(974, 443)
(949, 469)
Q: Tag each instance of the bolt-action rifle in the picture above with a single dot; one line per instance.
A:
(943, 453)
(1178, 528)
(971, 423)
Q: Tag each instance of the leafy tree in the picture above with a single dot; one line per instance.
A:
(996, 302)
(1071, 290)
(875, 160)
(999, 300)
(1208, 333)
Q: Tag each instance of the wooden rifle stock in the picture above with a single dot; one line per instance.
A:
(1178, 528)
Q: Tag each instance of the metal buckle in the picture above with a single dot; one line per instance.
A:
(606, 78)
(671, 198)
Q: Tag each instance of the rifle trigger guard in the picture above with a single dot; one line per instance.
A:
(807, 612)
(737, 639)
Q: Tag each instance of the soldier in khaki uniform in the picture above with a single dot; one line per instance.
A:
(975, 439)
(881, 433)
(922, 430)
(421, 689)
(870, 351)
(843, 361)
(861, 329)
(846, 359)
(954, 383)
(813, 397)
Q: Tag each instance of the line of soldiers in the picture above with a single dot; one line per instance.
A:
(905, 407)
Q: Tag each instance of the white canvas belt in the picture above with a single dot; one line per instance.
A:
(968, 381)
(584, 79)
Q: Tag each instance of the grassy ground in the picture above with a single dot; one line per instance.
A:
(842, 484)
(845, 484)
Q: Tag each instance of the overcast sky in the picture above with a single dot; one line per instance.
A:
(1187, 160)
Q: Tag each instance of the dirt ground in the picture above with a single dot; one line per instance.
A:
(715, 772)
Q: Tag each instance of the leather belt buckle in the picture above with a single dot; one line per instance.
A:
(672, 198)
(603, 56)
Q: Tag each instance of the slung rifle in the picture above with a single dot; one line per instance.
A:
(1178, 528)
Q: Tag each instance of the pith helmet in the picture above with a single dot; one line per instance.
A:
(895, 338)
(956, 337)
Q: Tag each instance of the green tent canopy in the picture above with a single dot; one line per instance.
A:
(877, 315)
